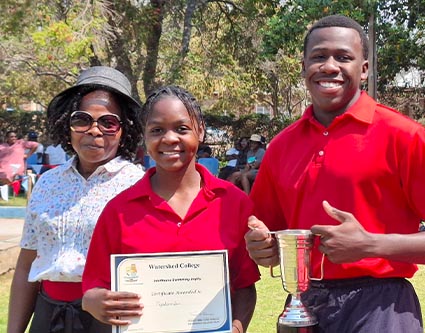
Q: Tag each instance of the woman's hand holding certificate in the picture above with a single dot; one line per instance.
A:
(116, 306)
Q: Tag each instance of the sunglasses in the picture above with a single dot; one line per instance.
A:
(81, 122)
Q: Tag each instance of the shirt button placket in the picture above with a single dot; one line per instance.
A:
(321, 152)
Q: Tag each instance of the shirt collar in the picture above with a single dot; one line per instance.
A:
(113, 166)
(363, 110)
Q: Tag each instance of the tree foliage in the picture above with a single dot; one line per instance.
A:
(22, 123)
(232, 128)
(231, 54)
(400, 26)
(401, 39)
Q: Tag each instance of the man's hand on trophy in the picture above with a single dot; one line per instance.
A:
(260, 244)
(347, 242)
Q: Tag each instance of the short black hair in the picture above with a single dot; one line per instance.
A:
(205, 150)
(343, 22)
(59, 116)
(9, 132)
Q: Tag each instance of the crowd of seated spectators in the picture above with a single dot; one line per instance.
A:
(244, 174)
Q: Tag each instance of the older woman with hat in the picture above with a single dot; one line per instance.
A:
(97, 121)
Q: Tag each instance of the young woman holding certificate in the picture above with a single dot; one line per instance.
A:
(177, 206)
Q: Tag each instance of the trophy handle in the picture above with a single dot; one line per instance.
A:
(322, 273)
(271, 267)
(272, 273)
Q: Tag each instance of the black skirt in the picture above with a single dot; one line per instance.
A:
(51, 316)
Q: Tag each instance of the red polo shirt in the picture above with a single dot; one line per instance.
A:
(370, 161)
(139, 221)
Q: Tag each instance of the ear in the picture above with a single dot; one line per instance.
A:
(201, 133)
(365, 70)
(302, 69)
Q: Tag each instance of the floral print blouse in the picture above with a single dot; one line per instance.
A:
(63, 211)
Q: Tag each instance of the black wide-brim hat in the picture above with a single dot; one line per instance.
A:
(97, 76)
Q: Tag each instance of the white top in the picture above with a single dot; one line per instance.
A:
(56, 154)
(63, 211)
(232, 151)
(36, 157)
(40, 149)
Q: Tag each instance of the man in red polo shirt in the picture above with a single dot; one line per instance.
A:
(368, 161)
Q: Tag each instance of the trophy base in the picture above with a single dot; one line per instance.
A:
(288, 329)
(296, 318)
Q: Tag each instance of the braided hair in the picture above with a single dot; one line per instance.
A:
(189, 101)
(59, 117)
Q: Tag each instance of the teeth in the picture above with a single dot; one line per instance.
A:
(170, 153)
(330, 84)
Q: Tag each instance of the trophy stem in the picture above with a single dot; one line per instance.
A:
(296, 318)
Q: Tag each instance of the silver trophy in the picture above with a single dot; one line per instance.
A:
(294, 260)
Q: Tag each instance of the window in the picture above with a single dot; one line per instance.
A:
(261, 109)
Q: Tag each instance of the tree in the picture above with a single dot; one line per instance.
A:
(400, 26)
(400, 42)
(46, 50)
(221, 66)
(67, 36)
(232, 54)
(22, 123)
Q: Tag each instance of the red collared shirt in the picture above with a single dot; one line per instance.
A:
(139, 221)
(370, 161)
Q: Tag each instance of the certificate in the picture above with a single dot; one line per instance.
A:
(181, 292)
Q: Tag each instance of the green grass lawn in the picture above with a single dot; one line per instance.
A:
(18, 201)
(270, 301)
(5, 281)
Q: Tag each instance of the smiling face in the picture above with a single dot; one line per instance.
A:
(93, 147)
(333, 68)
(171, 136)
(11, 138)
